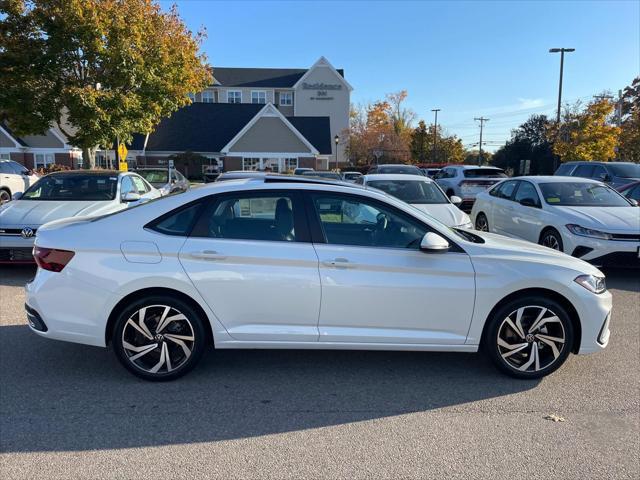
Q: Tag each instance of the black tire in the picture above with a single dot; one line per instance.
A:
(551, 238)
(176, 331)
(480, 218)
(547, 361)
(5, 196)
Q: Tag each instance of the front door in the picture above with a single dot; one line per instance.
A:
(377, 286)
(250, 258)
(502, 208)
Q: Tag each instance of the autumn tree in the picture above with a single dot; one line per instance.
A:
(530, 141)
(586, 134)
(629, 144)
(98, 69)
(448, 148)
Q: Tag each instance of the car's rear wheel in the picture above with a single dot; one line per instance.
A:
(529, 337)
(159, 338)
(550, 238)
(5, 196)
(482, 224)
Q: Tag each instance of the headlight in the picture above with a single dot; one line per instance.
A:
(588, 232)
(592, 283)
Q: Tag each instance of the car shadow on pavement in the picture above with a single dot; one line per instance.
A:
(64, 397)
(627, 279)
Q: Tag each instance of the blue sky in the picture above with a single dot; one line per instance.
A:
(467, 58)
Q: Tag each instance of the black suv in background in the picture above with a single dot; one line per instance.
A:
(615, 174)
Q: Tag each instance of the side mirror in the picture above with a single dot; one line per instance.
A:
(528, 202)
(434, 243)
(16, 196)
(633, 201)
(131, 197)
(456, 200)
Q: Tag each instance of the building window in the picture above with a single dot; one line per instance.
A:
(290, 164)
(234, 96)
(207, 96)
(286, 98)
(5, 156)
(43, 160)
(258, 96)
(250, 163)
(192, 97)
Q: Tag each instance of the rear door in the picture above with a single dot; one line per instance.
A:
(503, 208)
(377, 286)
(251, 259)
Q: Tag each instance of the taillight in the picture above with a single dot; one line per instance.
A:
(52, 259)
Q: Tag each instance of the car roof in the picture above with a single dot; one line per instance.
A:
(394, 165)
(554, 179)
(396, 176)
(473, 167)
(105, 173)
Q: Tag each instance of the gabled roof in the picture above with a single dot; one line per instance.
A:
(315, 129)
(259, 77)
(199, 127)
(209, 127)
(7, 129)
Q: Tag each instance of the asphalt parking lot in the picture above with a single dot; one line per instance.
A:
(69, 411)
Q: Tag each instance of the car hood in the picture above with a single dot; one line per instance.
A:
(37, 212)
(608, 219)
(447, 213)
(506, 248)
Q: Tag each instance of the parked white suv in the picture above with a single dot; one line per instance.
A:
(14, 178)
(466, 181)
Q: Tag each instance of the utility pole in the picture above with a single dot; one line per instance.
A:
(562, 52)
(435, 132)
(481, 120)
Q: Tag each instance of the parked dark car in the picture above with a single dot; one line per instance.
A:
(631, 190)
(615, 174)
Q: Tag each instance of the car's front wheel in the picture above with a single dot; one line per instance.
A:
(159, 338)
(550, 238)
(529, 337)
(482, 224)
(5, 196)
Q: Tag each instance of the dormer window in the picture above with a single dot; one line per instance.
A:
(234, 96)
(259, 96)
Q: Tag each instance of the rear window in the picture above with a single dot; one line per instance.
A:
(155, 177)
(407, 169)
(625, 170)
(484, 173)
(564, 170)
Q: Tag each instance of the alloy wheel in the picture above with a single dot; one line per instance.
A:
(158, 339)
(531, 339)
(4, 196)
(482, 224)
(550, 241)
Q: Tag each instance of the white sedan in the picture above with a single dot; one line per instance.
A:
(284, 263)
(422, 193)
(59, 195)
(583, 218)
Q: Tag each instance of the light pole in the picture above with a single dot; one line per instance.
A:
(562, 51)
(336, 139)
(435, 132)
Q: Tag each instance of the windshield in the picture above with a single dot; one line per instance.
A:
(484, 172)
(625, 170)
(576, 194)
(407, 169)
(411, 191)
(74, 187)
(155, 177)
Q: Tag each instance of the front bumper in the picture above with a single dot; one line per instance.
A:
(594, 312)
(16, 249)
(603, 253)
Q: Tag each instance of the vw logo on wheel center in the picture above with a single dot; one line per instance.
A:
(27, 232)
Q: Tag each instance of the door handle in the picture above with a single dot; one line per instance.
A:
(208, 255)
(339, 263)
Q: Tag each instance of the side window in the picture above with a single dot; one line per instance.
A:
(583, 170)
(5, 168)
(355, 221)
(506, 189)
(139, 185)
(527, 190)
(634, 193)
(495, 191)
(178, 223)
(564, 170)
(126, 186)
(599, 172)
(267, 217)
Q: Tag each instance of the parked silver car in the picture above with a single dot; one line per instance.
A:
(466, 181)
(166, 180)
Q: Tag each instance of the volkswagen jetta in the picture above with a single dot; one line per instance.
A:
(303, 263)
